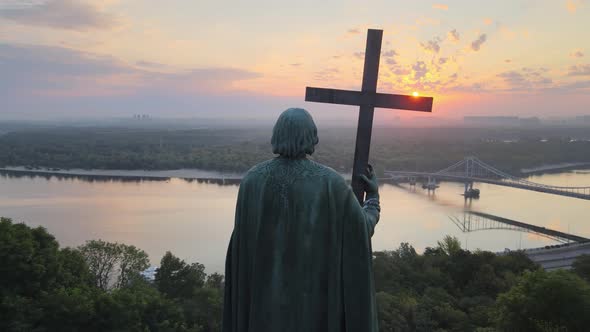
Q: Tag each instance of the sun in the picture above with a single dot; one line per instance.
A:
(415, 94)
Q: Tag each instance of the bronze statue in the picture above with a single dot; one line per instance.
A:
(299, 258)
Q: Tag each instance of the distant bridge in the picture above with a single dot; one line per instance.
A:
(471, 169)
(558, 256)
(478, 221)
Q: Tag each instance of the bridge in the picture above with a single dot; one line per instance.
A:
(558, 256)
(473, 221)
(551, 257)
(471, 169)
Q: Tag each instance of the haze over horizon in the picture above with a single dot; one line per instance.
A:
(116, 58)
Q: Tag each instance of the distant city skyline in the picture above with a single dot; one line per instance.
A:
(252, 59)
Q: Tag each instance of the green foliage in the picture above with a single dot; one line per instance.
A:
(581, 267)
(450, 245)
(177, 279)
(45, 288)
(131, 262)
(184, 284)
(215, 280)
(418, 149)
(113, 261)
(445, 289)
(29, 259)
(545, 301)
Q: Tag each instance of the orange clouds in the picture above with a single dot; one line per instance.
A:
(440, 6)
(573, 5)
(453, 35)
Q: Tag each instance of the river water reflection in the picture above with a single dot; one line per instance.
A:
(194, 220)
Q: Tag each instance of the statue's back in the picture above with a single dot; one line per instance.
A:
(300, 256)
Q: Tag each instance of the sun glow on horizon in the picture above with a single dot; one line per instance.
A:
(415, 94)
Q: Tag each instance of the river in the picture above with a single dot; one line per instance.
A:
(194, 219)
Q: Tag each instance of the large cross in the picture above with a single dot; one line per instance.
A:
(367, 99)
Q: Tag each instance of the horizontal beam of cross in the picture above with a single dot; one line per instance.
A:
(359, 98)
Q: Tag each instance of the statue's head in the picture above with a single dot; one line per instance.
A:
(295, 134)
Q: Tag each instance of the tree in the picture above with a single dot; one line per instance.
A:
(42, 287)
(113, 264)
(450, 245)
(131, 262)
(581, 267)
(177, 279)
(138, 307)
(545, 301)
(215, 280)
(29, 261)
(101, 258)
(73, 269)
(393, 317)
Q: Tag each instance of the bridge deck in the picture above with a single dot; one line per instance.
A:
(537, 229)
(576, 192)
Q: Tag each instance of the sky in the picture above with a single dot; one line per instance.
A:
(252, 59)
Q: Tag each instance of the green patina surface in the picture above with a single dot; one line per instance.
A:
(299, 258)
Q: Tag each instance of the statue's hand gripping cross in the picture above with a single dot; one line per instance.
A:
(367, 99)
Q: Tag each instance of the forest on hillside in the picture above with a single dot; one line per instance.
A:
(98, 287)
(236, 150)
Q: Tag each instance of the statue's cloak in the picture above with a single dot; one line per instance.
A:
(300, 255)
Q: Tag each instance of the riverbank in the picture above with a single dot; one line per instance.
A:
(554, 168)
(188, 174)
(199, 174)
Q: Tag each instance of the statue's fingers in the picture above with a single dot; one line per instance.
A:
(370, 170)
(364, 178)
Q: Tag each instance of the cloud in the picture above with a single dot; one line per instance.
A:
(487, 21)
(390, 54)
(513, 78)
(526, 79)
(420, 70)
(453, 35)
(581, 70)
(295, 64)
(442, 61)
(29, 70)
(353, 31)
(508, 60)
(427, 21)
(577, 54)
(390, 61)
(431, 45)
(573, 5)
(402, 71)
(149, 64)
(359, 55)
(61, 14)
(575, 86)
(440, 6)
(51, 82)
(476, 44)
(328, 74)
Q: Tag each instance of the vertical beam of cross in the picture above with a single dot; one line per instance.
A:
(367, 99)
(365, 123)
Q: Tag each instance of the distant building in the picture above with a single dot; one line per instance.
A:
(492, 120)
(150, 273)
(501, 121)
(533, 121)
(141, 117)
